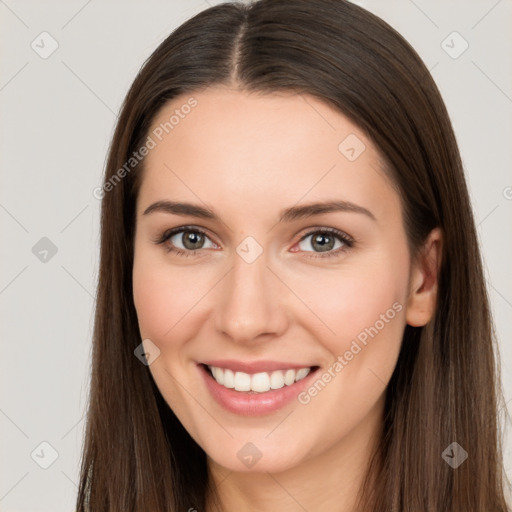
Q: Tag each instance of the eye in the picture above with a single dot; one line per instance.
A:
(329, 241)
(185, 241)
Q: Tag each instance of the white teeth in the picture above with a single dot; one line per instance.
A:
(276, 380)
(228, 378)
(289, 377)
(258, 382)
(219, 375)
(302, 373)
(242, 381)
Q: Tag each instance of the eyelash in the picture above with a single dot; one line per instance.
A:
(348, 242)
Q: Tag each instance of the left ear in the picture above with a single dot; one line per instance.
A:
(423, 280)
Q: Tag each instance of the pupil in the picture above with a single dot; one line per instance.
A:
(192, 239)
(324, 246)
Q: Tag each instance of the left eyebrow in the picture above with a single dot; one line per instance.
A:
(308, 210)
(287, 215)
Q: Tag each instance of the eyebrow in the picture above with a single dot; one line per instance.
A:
(287, 215)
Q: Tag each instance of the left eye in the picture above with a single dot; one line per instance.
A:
(325, 241)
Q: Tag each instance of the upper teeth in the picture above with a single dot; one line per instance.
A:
(259, 382)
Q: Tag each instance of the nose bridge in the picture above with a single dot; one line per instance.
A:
(249, 305)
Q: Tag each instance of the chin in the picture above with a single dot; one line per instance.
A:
(254, 457)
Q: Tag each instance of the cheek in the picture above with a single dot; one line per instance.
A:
(352, 299)
(364, 306)
(166, 299)
(153, 301)
(373, 322)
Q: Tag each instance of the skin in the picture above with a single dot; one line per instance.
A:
(248, 157)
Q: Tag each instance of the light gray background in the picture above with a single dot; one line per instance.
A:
(57, 118)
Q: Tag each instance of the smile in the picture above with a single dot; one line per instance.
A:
(255, 389)
(261, 382)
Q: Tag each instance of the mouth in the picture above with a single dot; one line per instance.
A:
(260, 382)
(255, 389)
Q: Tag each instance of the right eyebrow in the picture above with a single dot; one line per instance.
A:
(177, 208)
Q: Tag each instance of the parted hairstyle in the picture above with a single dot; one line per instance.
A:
(446, 386)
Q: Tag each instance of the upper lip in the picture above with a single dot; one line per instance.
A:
(254, 366)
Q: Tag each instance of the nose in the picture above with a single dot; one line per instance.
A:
(251, 307)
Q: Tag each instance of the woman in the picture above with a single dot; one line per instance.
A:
(291, 306)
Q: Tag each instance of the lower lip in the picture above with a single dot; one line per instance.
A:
(253, 403)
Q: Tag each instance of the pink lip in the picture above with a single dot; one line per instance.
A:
(254, 366)
(251, 403)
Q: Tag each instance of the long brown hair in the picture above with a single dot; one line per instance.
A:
(446, 386)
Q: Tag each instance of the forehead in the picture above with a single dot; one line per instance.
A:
(255, 150)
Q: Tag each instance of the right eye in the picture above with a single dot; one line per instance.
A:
(192, 240)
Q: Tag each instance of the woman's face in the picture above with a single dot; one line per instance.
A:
(264, 284)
